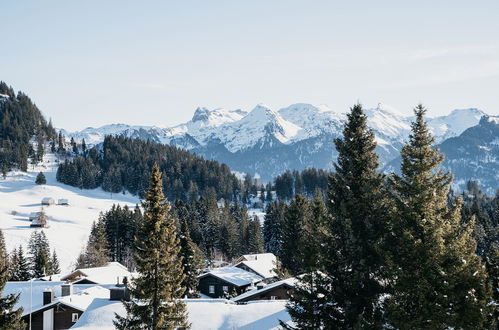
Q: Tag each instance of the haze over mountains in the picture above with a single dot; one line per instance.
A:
(266, 142)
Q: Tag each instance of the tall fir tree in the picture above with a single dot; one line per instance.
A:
(272, 226)
(19, 270)
(54, 264)
(193, 261)
(96, 253)
(438, 280)
(39, 254)
(255, 238)
(352, 260)
(10, 318)
(156, 293)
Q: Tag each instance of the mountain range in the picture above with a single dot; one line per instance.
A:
(265, 142)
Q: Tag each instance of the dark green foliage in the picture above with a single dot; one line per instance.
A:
(438, 280)
(54, 264)
(19, 268)
(9, 317)
(20, 120)
(305, 182)
(124, 164)
(192, 261)
(272, 227)
(39, 254)
(120, 226)
(96, 253)
(255, 238)
(156, 292)
(40, 178)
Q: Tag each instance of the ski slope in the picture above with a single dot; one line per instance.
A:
(69, 226)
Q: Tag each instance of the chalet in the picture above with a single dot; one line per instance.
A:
(48, 201)
(61, 312)
(62, 201)
(112, 273)
(41, 220)
(224, 281)
(34, 215)
(261, 264)
(280, 290)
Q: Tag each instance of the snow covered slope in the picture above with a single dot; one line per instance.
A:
(69, 225)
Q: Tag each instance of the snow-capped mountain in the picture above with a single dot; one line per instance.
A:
(266, 142)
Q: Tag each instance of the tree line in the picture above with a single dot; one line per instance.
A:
(23, 130)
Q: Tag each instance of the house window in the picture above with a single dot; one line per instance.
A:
(74, 317)
(225, 288)
(273, 297)
(212, 289)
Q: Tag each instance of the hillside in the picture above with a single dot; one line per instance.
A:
(69, 225)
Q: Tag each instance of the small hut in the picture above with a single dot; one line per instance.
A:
(34, 215)
(48, 201)
(63, 201)
(40, 221)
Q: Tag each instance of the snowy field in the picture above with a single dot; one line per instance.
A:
(69, 226)
(204, 314)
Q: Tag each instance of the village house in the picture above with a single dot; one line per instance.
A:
(262, 264)
(62, 201)
(112, 273)
(226, 281)
(61, 312)
(39, 220)
(280, 290)
(48, 201)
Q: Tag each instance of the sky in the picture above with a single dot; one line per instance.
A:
(91, 63)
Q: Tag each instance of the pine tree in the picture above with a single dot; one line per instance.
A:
(272, 227)
(54, 264)
(352, 260)
(19, 266)
(96, 253)
(255, 238)
(157, 290)
(39, 252)
(297, 215)
(40, 178)
(438, 280)
(9, 318)
(192, 259)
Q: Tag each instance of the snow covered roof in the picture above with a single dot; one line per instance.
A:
(234, 275)
(289, 281)
(80, 300)
(262, 263)
(38, 287)
(112, 273)
(203, 314)
(47, 199)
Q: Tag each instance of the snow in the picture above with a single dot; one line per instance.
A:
(38, 287)
(238, 130)
(203, 314)
(234, 275)
(493, 119)
(289, 281)
(262, 263)
(69, 226)
(112, 273)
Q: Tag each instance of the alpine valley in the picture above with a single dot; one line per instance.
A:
(265, 142)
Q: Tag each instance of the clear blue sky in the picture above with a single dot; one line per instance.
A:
(89, 63)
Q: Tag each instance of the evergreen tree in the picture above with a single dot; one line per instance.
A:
(157, 290)
(54, 264)
(19, 266)
(192, 259)
(9, 317)
(96, 253)
(83, 147)
(272, 227)
(297, 215)
(39, 254)
(40, 178)
(438, 280)
(255, 238)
